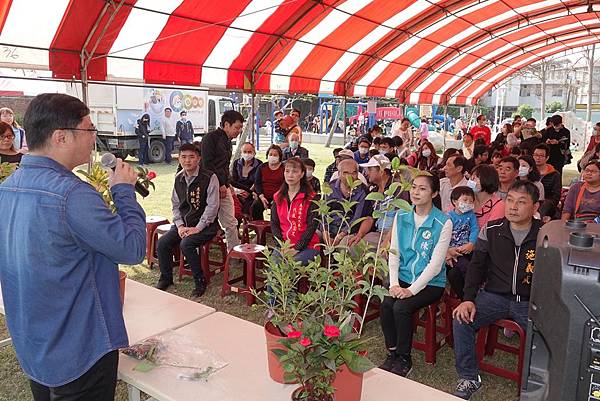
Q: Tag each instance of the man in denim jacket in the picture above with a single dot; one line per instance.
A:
(59, 249)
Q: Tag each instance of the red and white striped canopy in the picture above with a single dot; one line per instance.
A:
(418, 51)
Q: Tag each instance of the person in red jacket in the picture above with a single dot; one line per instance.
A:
(294, 215)
(480, 130)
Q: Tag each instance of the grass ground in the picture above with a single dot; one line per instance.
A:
(14, 385)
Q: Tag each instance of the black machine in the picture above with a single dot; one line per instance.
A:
(562, 358)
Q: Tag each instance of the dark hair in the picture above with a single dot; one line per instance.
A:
(532, 119)
(434, 181)
(597, 148)
(168, 108)
(516, 151)
(509, 128)
(488, 178)
(595, 162)
(305, 186)
(542, 146)
(478, 150)
(398, 141)
(404, 119)
(388, 141)
(4, 127)
(556, 119)
(534, 174)
(376, 128)
(517, 117)
(448, 153)
(48, 112)
(377, 140)
(364, 139)
(231, 117)
(277, 112)
(496, 154)
(460, 191)
(548, 121)
(481, 116)
(480, 142)
(373, 152)
(295, 110)
(309, 163)
(512, 160)
(468, 134)
(528, 187)
(189, 147)
(183, 112)
(336, 151)
(459, 161)
(278, 149)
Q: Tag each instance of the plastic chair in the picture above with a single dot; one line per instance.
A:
(431, 344)
(248, 253)
(210, 267)
(158, 231)
(152, 223)
(260, 227)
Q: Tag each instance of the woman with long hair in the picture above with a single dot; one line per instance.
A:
(294, 215)
(8, 152)
(529, 171)
(426, 157)
(417, 271)
(485, 182)
(269, 178)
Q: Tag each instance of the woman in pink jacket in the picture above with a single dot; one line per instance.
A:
(294, 216)
(484, 182)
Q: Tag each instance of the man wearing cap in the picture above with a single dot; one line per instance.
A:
(343, 155)
(184, 129)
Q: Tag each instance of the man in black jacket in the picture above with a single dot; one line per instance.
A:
(558, 139)
(184, 129)
(195, 202)
(503, 262)
(216, 156)
(551, 180)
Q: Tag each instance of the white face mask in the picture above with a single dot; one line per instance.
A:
(426, 153)
(247, 156)
(523, 171)
(309, 173)
(465, 207)
(363, 151)
(473, 185)
(184, 118)
(273, 159)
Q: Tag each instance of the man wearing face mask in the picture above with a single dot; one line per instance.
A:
(294, 149)
(142, 130)
(243, 176)
(310, 169)
(362, 154)
(184, 129)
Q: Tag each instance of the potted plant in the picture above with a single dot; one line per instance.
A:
(6, 169)
(318, 329)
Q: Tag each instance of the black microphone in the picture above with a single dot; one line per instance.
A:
(108, 160)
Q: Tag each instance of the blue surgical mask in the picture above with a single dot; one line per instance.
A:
(473, 185)
(523, 171)
(465, 207)
(293, 145)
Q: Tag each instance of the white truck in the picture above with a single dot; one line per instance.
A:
(116, 109)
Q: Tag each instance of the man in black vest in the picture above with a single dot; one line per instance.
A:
(195, 202)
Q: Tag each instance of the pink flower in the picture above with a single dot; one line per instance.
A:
(331, 331)
(151, 175)
(294, 334)
(305, 342)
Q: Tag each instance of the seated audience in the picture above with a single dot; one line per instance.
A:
(341, 225)
(404, 132)
(503, 263)
(195, 202)
(375, 144)
(426, 158)
(362, 154)
(464, 235)
(592, 153)
(508, 171)
(347, 154)
(332, 168)
(468, 146)
(529, 171)
(386, 146)
(454, 171)
(294, 149)
(551, 179)
(501, 137)
(583, 199)
(496, 157)
(418, 246)
(312, 180)
(484, 182)
(531, 139)
(402, 150)
(8, 152)
(480, 156)
(269, 178)
(243, 176)
(294, 215)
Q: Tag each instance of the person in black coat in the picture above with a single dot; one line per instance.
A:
(142, 130)
(558, 139)
(184, 129)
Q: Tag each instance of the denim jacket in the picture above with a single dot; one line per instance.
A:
(59, 250)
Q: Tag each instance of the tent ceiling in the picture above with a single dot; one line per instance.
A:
(419, 51)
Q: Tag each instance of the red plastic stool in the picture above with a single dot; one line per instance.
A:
(158, 231)
(451, 300)
(248, 253)
(209, 267)
(431, 344)
(487, 343)
(260, 227)
(152, 223)
(361, 304)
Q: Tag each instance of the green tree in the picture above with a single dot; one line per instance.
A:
(524, 110)
(553, 107)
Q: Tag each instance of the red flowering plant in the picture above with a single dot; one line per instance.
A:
(314, 351)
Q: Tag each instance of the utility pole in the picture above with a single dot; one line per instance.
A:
(588, 114)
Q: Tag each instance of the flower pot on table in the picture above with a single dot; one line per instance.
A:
(273, 335)
(347, 385)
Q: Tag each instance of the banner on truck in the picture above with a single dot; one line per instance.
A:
(193, 102)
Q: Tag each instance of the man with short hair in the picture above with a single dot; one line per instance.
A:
(386, 147)
(550, 179)
(480, 130)
(294, 149)
(468, 145)
(168, 134)
(362, 154)
(508, 171)
(332, 168)
(184, 129)
(341, 227)
(454, 171)
(216, 156)
(295, 114)
(60, 247)
(503, 263)
(195, 205)
(558, 139)
(279, 137)
(531, 122)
